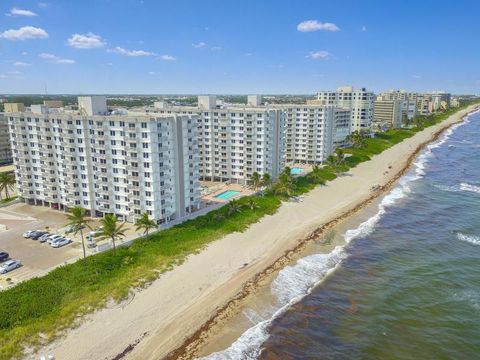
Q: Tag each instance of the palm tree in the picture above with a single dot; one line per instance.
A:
(111, 229)
(7, 182)
(316, 175)
(286, 183)
(145, 223)
(78, 221)
(252, 204)
(266, 180)
(357, 138)
(256, 180)
(340, 156)
(234, 207)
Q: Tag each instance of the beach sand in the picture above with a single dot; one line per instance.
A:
(185, 303)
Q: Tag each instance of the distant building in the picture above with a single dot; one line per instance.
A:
(207, 101)
(93, 105)
(254, 100)
(387, 114)
(5, 148)
(13, 107)
(440, 100)
(408, 102)
(120, 164)
(359, 101)
(53, 104)
(454, 102)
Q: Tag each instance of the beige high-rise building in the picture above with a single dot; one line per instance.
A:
(13, 107)
(53, 104)
(387, 114)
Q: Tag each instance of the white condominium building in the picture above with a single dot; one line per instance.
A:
(236, 141)
(408, 102)
(121, 164)
(359, 101)
(5, 148)
(311, 131)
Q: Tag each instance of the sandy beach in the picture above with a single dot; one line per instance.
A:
(172, 317)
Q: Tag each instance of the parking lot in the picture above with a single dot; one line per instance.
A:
(37, 258)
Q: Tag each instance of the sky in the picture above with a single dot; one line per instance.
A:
(237, 47)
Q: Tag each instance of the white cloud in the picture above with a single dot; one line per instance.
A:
(21, 63)
(248, 54)
(134, 53)
(215, 48)
(364, 28)
(319, 55)
(315, 25)
(199, 45)
(55, 59)
(24, 53)
(20, 12)
(24, 33)
(167, 58)
(42, 4)
(87, 41)
(417, 76)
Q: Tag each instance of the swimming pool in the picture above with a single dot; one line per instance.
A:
(227, 194)
(296, 171)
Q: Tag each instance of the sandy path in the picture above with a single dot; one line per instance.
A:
(161, 317)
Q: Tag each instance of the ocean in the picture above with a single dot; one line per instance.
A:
(405, 282)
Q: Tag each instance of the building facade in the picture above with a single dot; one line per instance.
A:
(359, 101)
(125, 165)
(387, 114)
(5, 148)
(236, 141)
(311, 131)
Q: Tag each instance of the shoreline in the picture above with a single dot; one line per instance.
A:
(190, 348)
(194, 298)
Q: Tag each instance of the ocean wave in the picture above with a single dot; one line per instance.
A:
(469, 187)
(449, 188)
(475, 240)
(295, 282)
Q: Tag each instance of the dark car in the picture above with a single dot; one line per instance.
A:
(4, 256)
(36, 235)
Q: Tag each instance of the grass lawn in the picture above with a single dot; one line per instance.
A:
(34, 311)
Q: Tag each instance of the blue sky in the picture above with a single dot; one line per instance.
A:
(237, 47)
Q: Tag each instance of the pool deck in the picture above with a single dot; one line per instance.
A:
(216, 188)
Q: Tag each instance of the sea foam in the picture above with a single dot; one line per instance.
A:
(469, 187)
(474, 240)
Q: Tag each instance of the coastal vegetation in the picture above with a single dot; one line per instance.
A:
(38, 310)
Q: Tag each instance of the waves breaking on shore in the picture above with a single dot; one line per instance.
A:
(296, 281)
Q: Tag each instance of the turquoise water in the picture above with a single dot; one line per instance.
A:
(296, 171)
(227, 194)
(405, 286)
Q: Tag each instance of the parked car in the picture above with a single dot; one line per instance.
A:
(72, 228)
(52, 238)
(4, 256)
(61, 242)
(95, 233)
(44, 237)
(27, 234)
(37, 234)
(9, 266)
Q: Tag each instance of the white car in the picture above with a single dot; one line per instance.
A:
(27, 234)
(61, 242)
(53, 238)
(9, 265)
